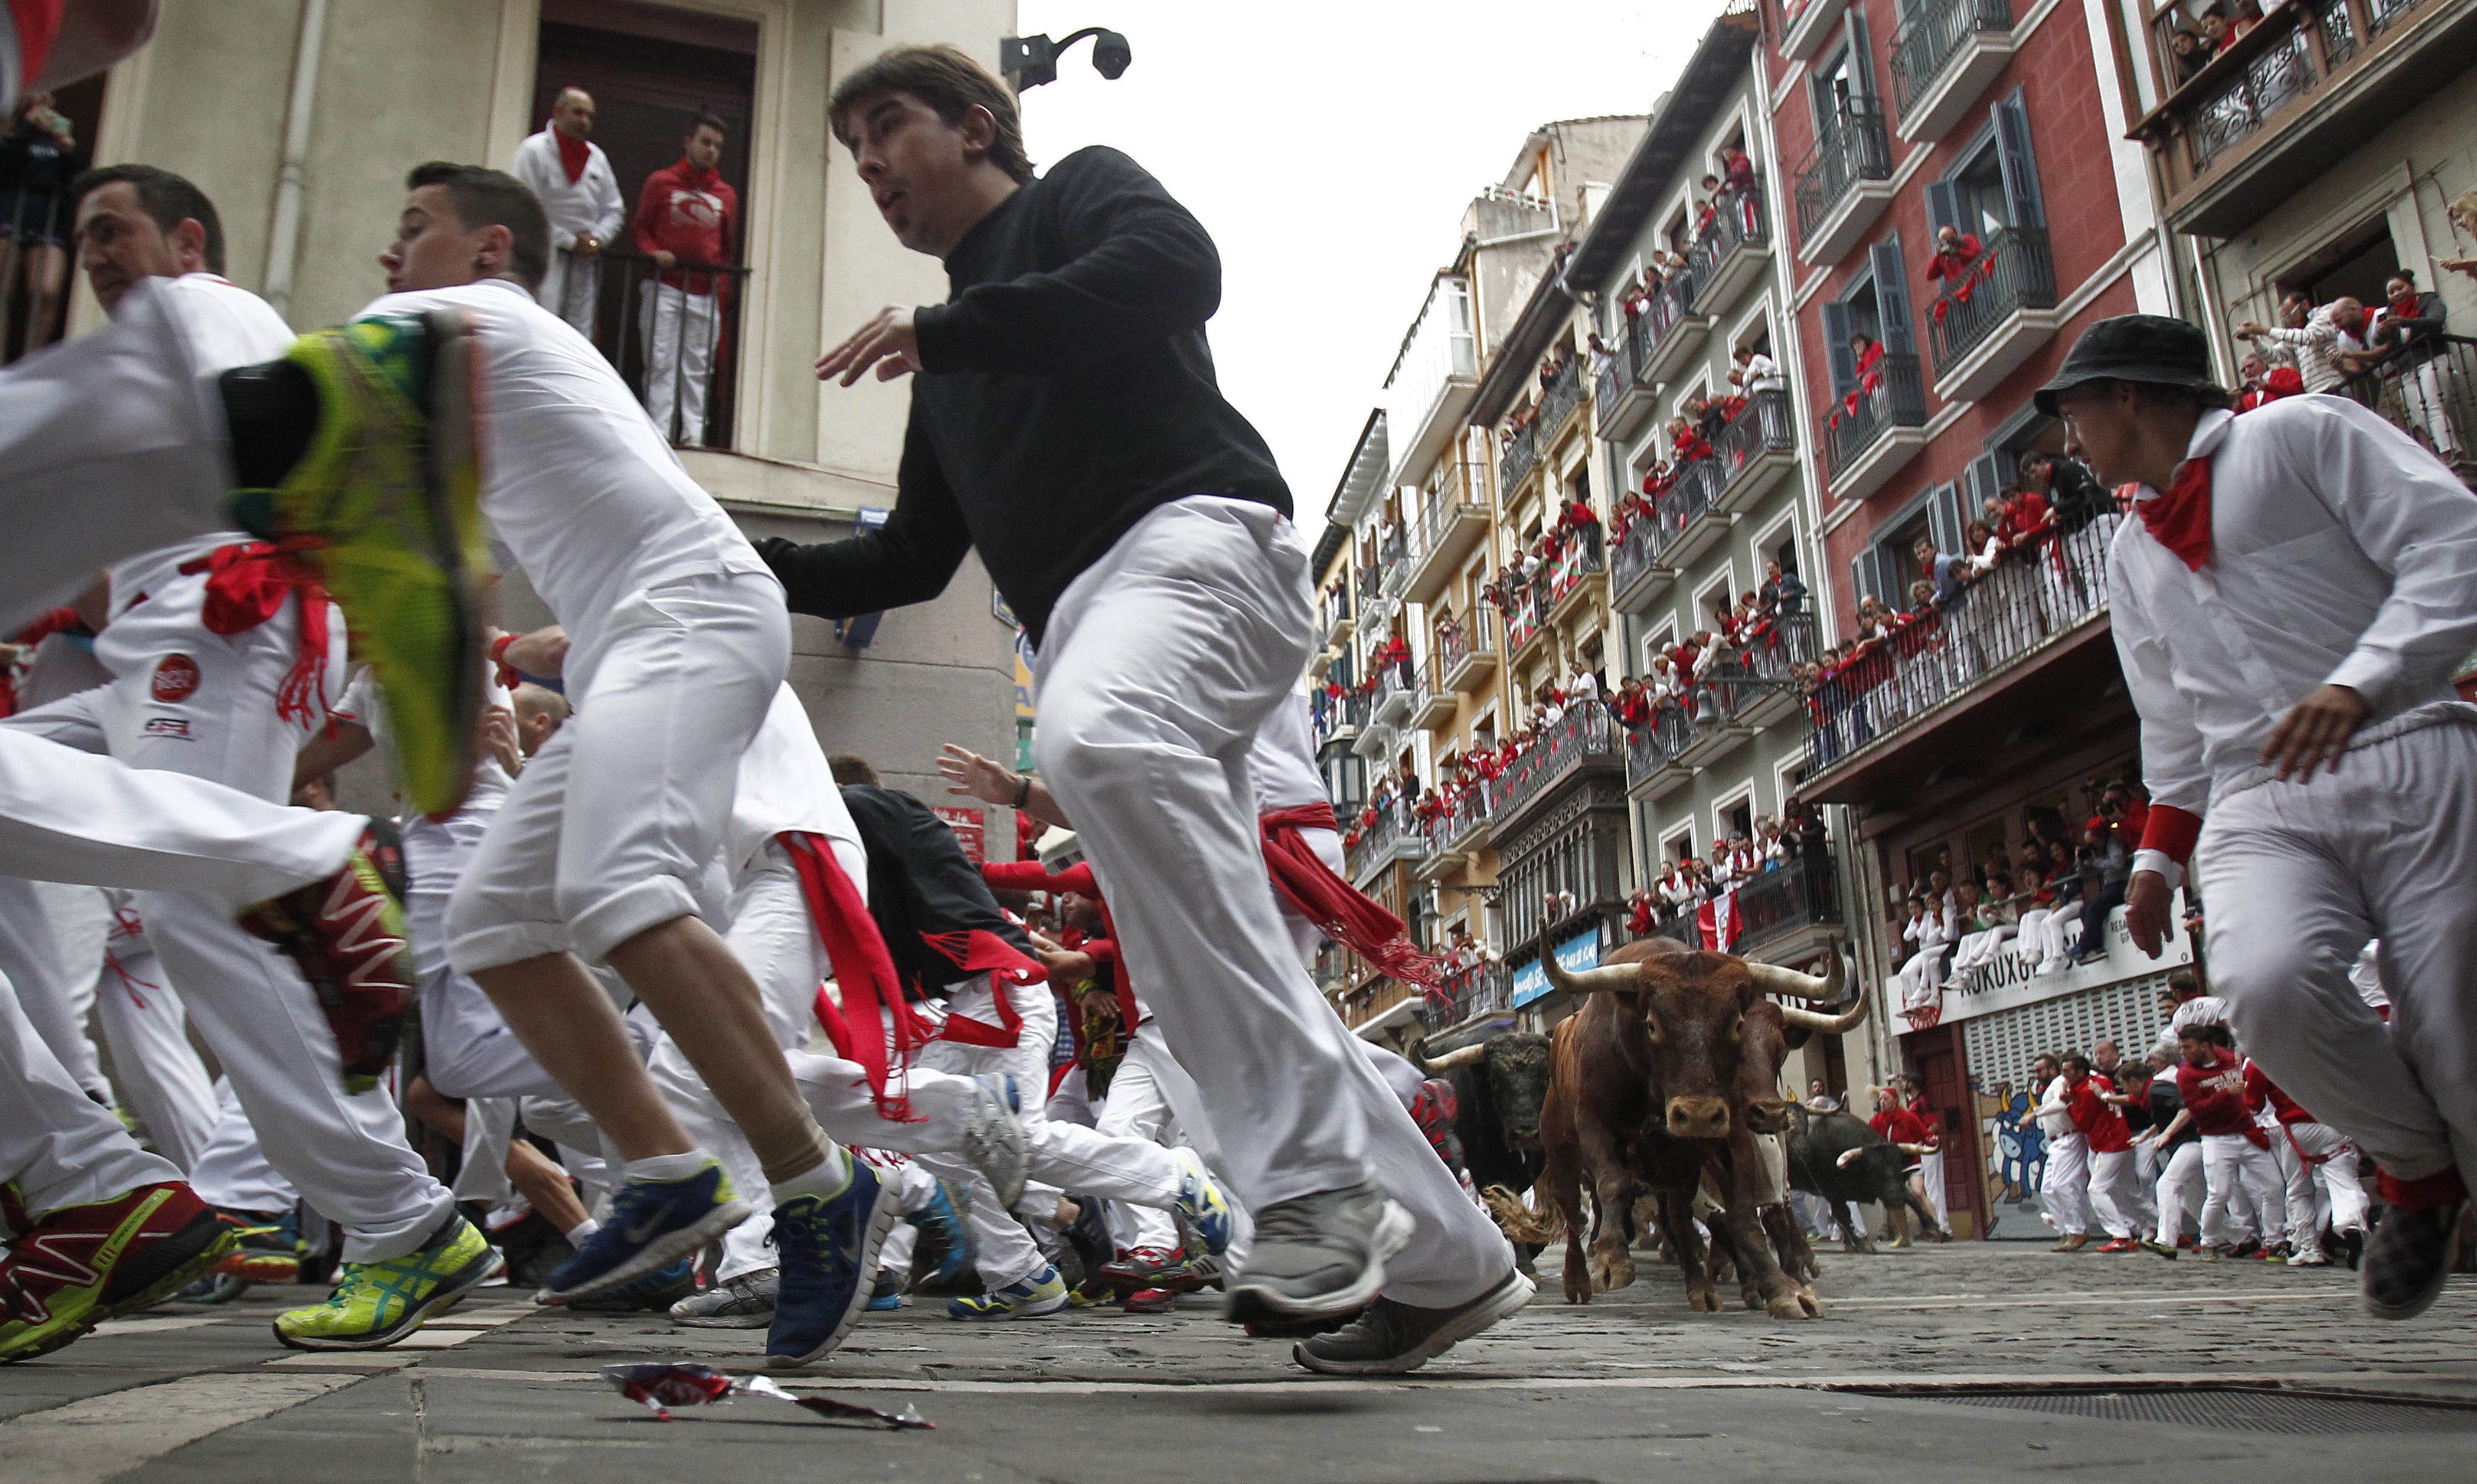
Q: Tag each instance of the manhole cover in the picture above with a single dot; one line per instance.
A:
(2239, 1411)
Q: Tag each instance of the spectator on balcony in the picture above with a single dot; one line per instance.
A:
(581, 193)
(1687, 441)
(38, 157)
(1995, 922)
(1870, 356)
(2264, 382)
(1602, 357)
(2408, 342)
(1707, 215)
(2106, 867)
(687, 215)
(2217, 33)
(2315, 337)
(1942, 571)
(2039, 926)
(1985, 548)
(1753, 372)
(1919, 980)
(2189, 52)
(2067, 486)
(1955, 261)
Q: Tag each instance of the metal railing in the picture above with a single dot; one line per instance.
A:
(2429, 392)
(1636, 552)
(1932, 36)
(1897, 399)
(1527, 619)
(2230, 112)
(669, 332)
(1476, 989)
(1579, 559)
(1560, 397)
(1722, 693)
(1609, 384)
(1462, 486)
(1392, 826)
(2013, 271)
(1584, 733)
(1459, 637)
(2034, 596)
(1737, 221)
(1520, 454)
(1762, 427)
(1446, 828)
(1334, 607)
(1802, 891)
(1850, 147)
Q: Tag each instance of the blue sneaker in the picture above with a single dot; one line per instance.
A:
(993, 1137)
(829, 1265)
(1201, 1202)
(943, 1254)
(653, 1224)
(653, 1292)
(1038, 1297)
(889, 1294)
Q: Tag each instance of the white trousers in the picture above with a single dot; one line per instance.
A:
(1161, 661)
(1931, 1176)
(2230, 1161)
(1137, 1108)
(2116, 1194)
(2063, 1188)
(233, 1170)
(613, 826)
(2298, 875)
(2427, 390)
(53, 1000)
(571, 288)
(57, 1146)
(147, 1028)
(2179, 1192)
(1002, 1249)
(681, 332)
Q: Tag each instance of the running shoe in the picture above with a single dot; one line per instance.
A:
(385, 505)
(1038, 1297)
(216, 1288)
(829, 1247)
(1150, 1300)
(2157, 1250)
(347, 935)
(1393, 1337)
(653, 1223)
(653, 1293)
(941, 1255)
(2115, 1244)
(81, 1264)
(2409, 1258)
(887, 1295)
(1317, 1255)
(1200, 1201)
(993, 1137)
(742, 1302)
(271, 1249)
(1141, 1268)
(375, 1304)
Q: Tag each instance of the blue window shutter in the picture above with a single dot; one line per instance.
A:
(1861, 57)
(1892, 297)
(1836, 348)
(1984, 481)
(2022, 199)
(1943, 205)
(1945, 520)
(1861, 578)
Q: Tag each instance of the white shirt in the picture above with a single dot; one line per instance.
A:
(2343, 554)
(784, 785)
(590, 205)
(2313, 345)
(584, 493)
(1281, 763)
(1763, 374)
(2054, 1120)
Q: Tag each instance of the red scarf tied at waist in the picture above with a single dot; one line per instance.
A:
(1339, 910)
(248, 583)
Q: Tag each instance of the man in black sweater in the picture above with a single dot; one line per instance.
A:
(1065, 424)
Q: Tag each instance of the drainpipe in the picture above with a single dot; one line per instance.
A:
(284, 236)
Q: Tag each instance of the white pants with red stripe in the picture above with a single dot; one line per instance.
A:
(147, 1028)
(2230, 1161)
(2116, 1194)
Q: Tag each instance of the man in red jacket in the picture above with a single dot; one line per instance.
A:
(688, 218)
(2114, 1178)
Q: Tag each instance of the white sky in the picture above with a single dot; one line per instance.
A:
(1330, 148)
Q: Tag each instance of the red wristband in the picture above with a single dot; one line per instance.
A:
(509, 676)
(2171, 831)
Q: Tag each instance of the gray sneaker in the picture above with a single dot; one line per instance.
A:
(1317, 1255)
(2409, 1258)
(743, 1302)
(993, 1137)
(1391, 1338)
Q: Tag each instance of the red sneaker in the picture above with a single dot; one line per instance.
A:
(347, 934)
(1138, 1268)
(81, 1265)
(2121, 1244)
(1150, 1300)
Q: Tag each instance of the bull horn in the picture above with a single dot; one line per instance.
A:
(1612, 978)
(1467, 1056)
(1829, 1024)
(1789, 984)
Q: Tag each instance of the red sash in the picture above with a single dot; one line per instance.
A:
(1339, 910)
(248, 583)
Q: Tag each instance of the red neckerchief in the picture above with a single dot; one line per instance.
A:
(2180, 518)
(247, 584)
(573, 155)
(871, 990)
(1339, 910)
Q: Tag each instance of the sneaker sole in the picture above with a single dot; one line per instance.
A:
(1252, 1303)
(1034, 1311)
(657, 1254)
(882, 1217)
(449, 1295)
(997, 1147)
(2432, 1291)
(221, 1240)
(1506, 1299)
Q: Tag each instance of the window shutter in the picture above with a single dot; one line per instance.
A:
(1983, 480)
(1862, 58)
(1892, 297)
(1945, 520)
(1943, 205)
(2022, 199)
(1866, 571)
(1836, 348)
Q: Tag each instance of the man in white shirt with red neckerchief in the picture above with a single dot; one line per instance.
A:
(2290, 607)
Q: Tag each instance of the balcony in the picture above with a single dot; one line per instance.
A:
(1450, 529)
(1637, 573)
(1525, 627)
(1981, 331)
(1629, 411)
(1468, 645)
(2294, 98)
(1754, 451)
(1432, 379)
(1653, 753)
(1392, 563)
(1522, 455)
(1728, 258)
(1392, 836)
(1455, 834)
(1671, 328)
(1393, 691)
(1943, 57)
(1432, 704)
(1844, 184)
(1338, 719)
(1806, 25)
(1576, 576)
(1584, 740)
(1783, 916)
(1465, 993)
(1379, 1005)
(2031, 604)
(2431, 399)
(1871, 433)
(1685, 523)
(1336, 620)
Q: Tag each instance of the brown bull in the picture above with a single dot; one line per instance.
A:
(1663, 1075)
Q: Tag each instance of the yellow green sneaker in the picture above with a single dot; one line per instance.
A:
(81, 1264)
(375, 1304)
(385, 505)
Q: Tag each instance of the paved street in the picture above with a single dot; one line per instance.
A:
(1631, 1387)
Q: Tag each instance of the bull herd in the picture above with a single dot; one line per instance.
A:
(1663, 1089)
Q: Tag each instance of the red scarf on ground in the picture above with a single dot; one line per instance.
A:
(573, 155)
(1339, 910)
(2179, 519)
(249, 582)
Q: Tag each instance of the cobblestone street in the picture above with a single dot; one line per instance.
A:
(1631, 1387)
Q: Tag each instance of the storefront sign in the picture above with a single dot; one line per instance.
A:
(1580, 952)
(2007, 983)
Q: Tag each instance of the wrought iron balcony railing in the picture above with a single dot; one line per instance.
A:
(1850, 147)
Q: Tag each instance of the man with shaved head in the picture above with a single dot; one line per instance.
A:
(581, 193)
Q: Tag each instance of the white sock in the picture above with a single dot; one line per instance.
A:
(584, 1229)
(829, 1178)
(667, 1167)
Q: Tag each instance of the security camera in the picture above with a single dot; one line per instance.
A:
(1111, 55)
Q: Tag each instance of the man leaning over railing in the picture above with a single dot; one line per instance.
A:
(687, 216)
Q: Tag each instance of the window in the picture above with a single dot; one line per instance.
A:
(1737, 818)
(1346, 778)
(1888, 565)
(1679, 845)
(2354, 266)
(1874, 312)
(1994, 188)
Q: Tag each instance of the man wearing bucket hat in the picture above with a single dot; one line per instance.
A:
(2290, 607)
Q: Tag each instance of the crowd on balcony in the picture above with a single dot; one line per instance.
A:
(1556, 364)
(1569, 543)
(1797, 837)
(1392, 658)
(2048, 902)
(1695, 679)
(1729, 189)
(2395, 356)
(1694, 437)
(1961, 263)
(2191, 47)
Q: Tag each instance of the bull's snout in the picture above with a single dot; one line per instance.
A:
(1698, 1117)
(1767, 1116)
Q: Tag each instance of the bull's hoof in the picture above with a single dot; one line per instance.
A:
(1703, 1300)
(1612, 1270)
(1752, 1295)
(1814, 1302)
(1858, 1245)
(1578, 1283)
(1791, 1306)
